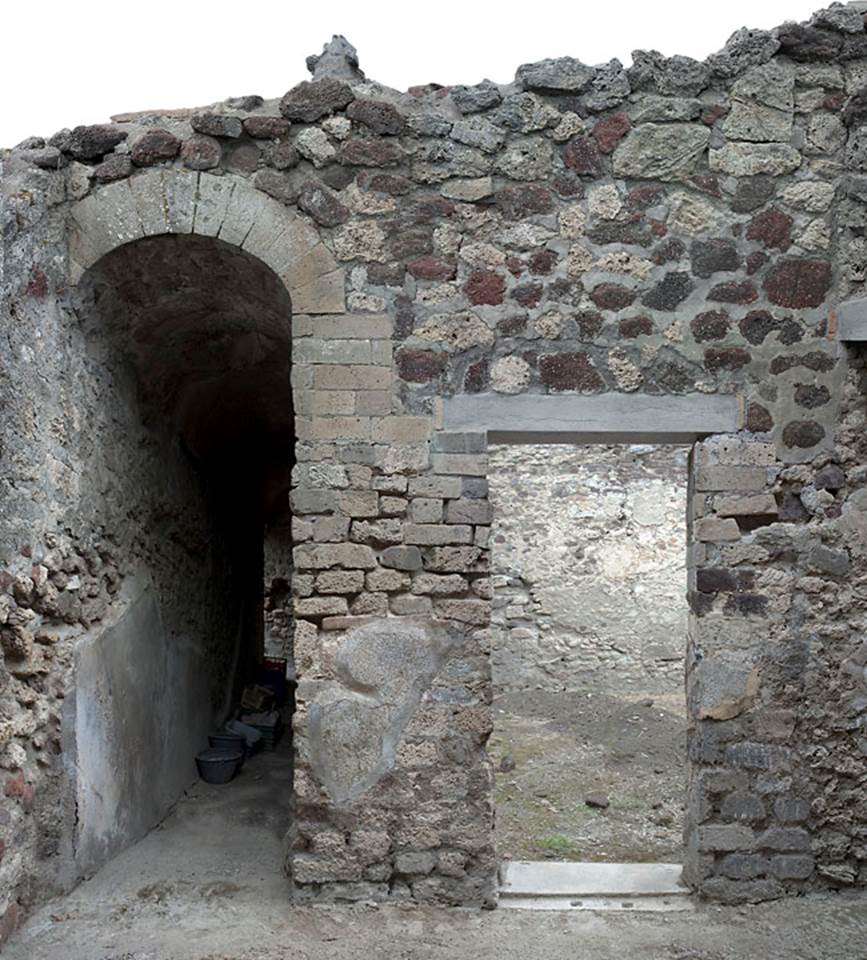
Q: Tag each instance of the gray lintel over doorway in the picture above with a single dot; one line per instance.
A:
(602, 418)
(852, 320)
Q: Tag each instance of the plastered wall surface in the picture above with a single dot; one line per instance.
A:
(672, 230)
(588, 553)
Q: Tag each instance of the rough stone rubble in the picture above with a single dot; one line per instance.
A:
(672, 228)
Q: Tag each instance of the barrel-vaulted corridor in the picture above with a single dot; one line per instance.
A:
(189, 452)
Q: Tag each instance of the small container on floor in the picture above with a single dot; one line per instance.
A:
(219, 764)
(226, 739)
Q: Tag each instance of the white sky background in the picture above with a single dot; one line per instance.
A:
(68, 62)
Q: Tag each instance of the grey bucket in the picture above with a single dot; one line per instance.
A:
(219, 764)
(226, 740)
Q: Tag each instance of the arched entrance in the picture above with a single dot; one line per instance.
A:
(185, 303)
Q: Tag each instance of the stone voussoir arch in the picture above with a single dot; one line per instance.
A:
(160, 202)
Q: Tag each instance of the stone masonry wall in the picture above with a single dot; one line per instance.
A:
(588, 553)
(672, 228)
(100, 515)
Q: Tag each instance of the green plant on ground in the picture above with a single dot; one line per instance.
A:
(556, 844)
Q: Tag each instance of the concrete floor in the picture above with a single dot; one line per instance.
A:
(207, 885)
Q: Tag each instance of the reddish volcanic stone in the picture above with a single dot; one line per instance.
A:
(428, 206)
(640, 198)
(485, 286)
(773, 228)
(420, 366)
(634, 327)
(524, 201)
(204, 153)
(797, 283)
(542, 263)
(582, 155)
(370, 153)
(744, 292)
(322, 205)
(589, 324)
(514, 266)
(512, 326)
(38, 285)
(390, 183)
(476, 377)
(153, 146)
(8, 922)
(759, 419)
(565, 183)
(407, 243)
(708, 184)
(569, 371)
(312, 99)
(755, 261)
(15, 785)
(711, 114)
(378, 115)
(726, 358)
(266, 128)
(834, 101)
(527, 294)
(612, 296)
(713, 325)
(668, 251)
(609, 131)
(432, 268)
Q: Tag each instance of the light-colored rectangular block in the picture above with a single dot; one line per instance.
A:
(181, 188)
(213, 199)
(735, 479)
(521, 877)
(148, 194)
(352, 327)
(314, 350)
(852, 320)
(603, 418)
(351, 377)
(401, 429)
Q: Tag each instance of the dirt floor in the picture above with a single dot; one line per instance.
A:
(555, 751)
(207, 885)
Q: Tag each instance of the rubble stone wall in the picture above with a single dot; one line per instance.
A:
(588, 554)
(672, 228)
(119, 618)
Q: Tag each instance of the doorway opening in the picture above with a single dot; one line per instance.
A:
(590, 633)
(186, 438)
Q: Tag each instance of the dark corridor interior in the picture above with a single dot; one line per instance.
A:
(188, 350)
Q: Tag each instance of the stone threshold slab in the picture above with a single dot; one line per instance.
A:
(672, 904)
(530, 885)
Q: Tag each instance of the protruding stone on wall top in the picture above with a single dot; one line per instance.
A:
(338, 59)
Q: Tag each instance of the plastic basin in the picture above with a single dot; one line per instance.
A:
(226, 740)
(219, 764)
